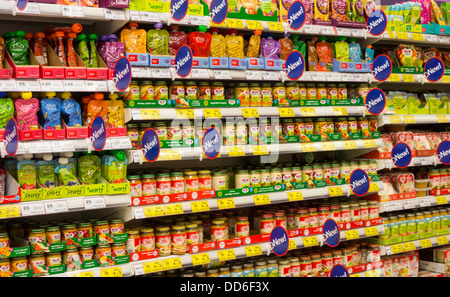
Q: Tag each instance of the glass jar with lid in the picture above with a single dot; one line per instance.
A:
(163, 241)
(305, 266)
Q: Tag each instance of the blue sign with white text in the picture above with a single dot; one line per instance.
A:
(218, 11)
(11, 137)
(381, 68)
(296, 15)
(150, 145)
(434, 69)
(375, 101)
(211, 143)
(359, 182)
(184, 61)
(443, 152)
(377, 22)
(279, 241)
(401, 155)
(339, 271)
(122, 74)
(98, 133)
(295, 65)
(178, 9)
(331, 233)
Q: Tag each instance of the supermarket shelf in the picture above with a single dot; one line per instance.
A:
(136, 114)
(418, 39)
(377, 272)
(191, 153)
(66, 145)
(419, 202)
(413, 119)
(386, 250)
(122, 270)
(65, 205)
(186, 207)
(416, 161)
(56, 85)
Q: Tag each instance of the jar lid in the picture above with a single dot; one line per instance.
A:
(115, 221)
(190, 172)
(147, 230)
(148, 176)
(162, 228)
(204, 171)
(218, 222)
(101, 223)
(305, 258)
(242, 218)
(50, 228)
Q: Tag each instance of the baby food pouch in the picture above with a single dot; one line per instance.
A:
(115, 112)
(437, 13)
(339, 10)
(325, 55)
(26, 174)
(40, 49)
(253, 45)
(51, 113)
(158, 40)
(234, 45)
(115, 168)
(17, 46)
(355, 53)
(309, 11)
(313, 60)
(82, 48)
(6, 111)
(286, 46)
(342, 50)
(200, 42)
(250, 6)
(45, 171)
(65, 176)
(268, 7)
(134, 39)
(270, 48)
(358, 12)
(322, 10)
(10, 166)
(113, 50)
(60, 47)
(299, 45)
(97, 107)
(89, 169)
(26, 110)
(93, 62)
(176, 40)
(218, 44)
(70, 111)
(369, 55)
(71, 54)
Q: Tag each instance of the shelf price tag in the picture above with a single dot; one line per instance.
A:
(212, 113)
(308, 147)
(111, 272)
(84, 274)
(369, 143)
(286, 112)
(441, 200)
(335, 191)
(402, 35)
(153, 266)
(222, 74)
(292, 245)
(351, 234)
(417, 36)
(275, 26)
(235, 23)
(185, 113)
(252, 251)
(373, 187)
(349, 145)
(409, 119)
(409, 246)
(397, 248)
(254, 25)
(261, 199)
(408, 78)
(442, 240)
(395, 119)
(310, 241)
(371, 231)
(150, 114)
(395, 78)
(199, 206)
(200, 259)
(173, 209)
(250, 113)
(260, 150)
(426, 243)
(253, 75)
(72, 11)
(153, 211)
(295, 196)
(226, 255)
(442, 118)
(328, 146)
(173, 263)
(340, 111)
(9, 211)
(236, 151)
(169, 155)
(32, 209)
(308, 111)
(226, 203)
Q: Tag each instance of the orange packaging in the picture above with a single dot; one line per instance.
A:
(325, 55)
(68, 2)
(97, 107)
(89, 3)
(60, 47)
(40, 49)
(71, 54)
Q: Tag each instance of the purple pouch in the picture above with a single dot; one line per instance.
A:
(270, 48)
(113, 50)
(114, 3)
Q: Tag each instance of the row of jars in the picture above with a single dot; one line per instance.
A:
(253, 94)
(254, 131)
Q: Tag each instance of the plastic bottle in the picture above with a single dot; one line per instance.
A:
(71, 54)
(93, 62)
(40, 49)
(158, 40)
(200, 42)
(60, 43)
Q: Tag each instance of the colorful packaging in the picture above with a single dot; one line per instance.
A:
(97, 107)
(51, 112)
(93, 61)
(342, 50)
(369, 6)
(26, 110)
(234, 45)
(176, 40)
(114, 168)
(45, 172)
(60, 47)
(70, 111)
(134, 39)
(358, 11)
(270, 48)
(112, 51)
(17, 47)
(324, 55)
(6, 111)
(251, 6)
(431, 52)
(322, 10)
(200, 42)
(65, 175)
(437, 13)
(89, 169)
(26, 174)
(158, 40)
(40, 49)
(309, 11)
(268, 7)
(286, 46)
(284, 6)
(115, 112)
(406, 55)
(299, 45)
(355, 53)
(253, 45)
(82, 48)
(313, 60)
(339, 10)
(425, 14)
(369, 55)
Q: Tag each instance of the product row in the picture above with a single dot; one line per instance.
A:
(418, 141)
(398, 102)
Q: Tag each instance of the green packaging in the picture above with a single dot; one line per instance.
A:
(82, 48)
(46, 177)
(158, 40)
(437, 105)
(114, 168)
(342, 50)
(417, 106)
(6, 111)
(93, 62)
(26, 174)
(89, 169)
(17, 46)
(397, 102)
(66, 170)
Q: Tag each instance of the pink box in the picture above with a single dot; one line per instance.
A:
(54, 134)
(79, 72)
(116, 132)
(255, 239)
(6, 72)
(24, 71)
(31, 134)
(100, 72)
(55, 69)
(75, 132)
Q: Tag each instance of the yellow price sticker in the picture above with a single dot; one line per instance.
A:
(173, 209)
(370, 273)
(397, 248)
(391, 34)
(445, 79)
(402, 35)
(199, 206)
(355, 275)
(212, 113)
(250, 113)
(9, 211)
(408, 78)
(394, 78)
(223, 24)
(369, 143)
(335, 191)
(416, 36)
(292, 245)
(275, 26)
(328, 146)
(173, 263)
(308, 147)
(409, 246)
(165, 155)
(286, 112)
(371, 231)
(200, 259)
(111, 272)
(235, 151)
(426, 243)
(252, 251)
(261, 199)
(226, 203)
(151, 267)
(351, 234)
(235, 23)
(340, 111)
(226, 255)
(442, 240)
(441, 200)
(395, 120)
(349, 145)
(373, 187)
(154, 211)
(308, 111)
(409, 119)
(310, 241)
(254, 25)
(295, 196)
(84, 274)
(150, 114)
(260, 150)
(185, 113)
(442, 118)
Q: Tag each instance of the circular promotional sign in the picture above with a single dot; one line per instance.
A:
(178, 9)
(98, 133)
(331, 233)
(279, 241)
(359, 181)
(184, 61)
(218, 10)
(211, 143)
(122, 74)
(375, 101)
(11, 137)
(21, 4)
(401, 155)
(296, 15)
(443, 152)
(339, 271)
(381, 68)
(295, 65)
(433, 69)
(377, 22)
(150, 145)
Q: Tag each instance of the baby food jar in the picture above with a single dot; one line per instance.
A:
(321, 92)
(292, 91)
(163, 241)
(5, 265)
(242, 226)
(219, 182)
(204, 180)
(161, 130)
(191, 90)
(133, 134)
(311, 92)
(305, 266)
(134, 241)
(295, 266)
(53, 235)
(352, 125)
(53, 259)
(265, 177)
(255, 95)
(133, 93)
(177, 183)
(266, 223)
(192, 234)
(266, 95)
(279, 94)
(163, 184)
(191, 179)
(345, 213)
(135, 186)
(146, 91)
(116, 226)
(242, 93)
(284, 268)
(177, 90)
(148, 239)
(332, 92)
(219, 230)
(148, 185)
(37, 236)
(86, 253)
(242, 179)
(241, 133)
(161, 91)
(101, 227)
(179, 240)
(204, 91)
(342, 92)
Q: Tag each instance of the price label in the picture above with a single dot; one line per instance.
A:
(441, 200)
(391, 34)
(394, 78)
(402, 35)
(371, 231)
(426, 243)
(408, 78)
(74, 85)
(351, 234)
(28, 85)
(270, 75)
(310, 241)
(343, 31)
(212, 113)
(328, 146)
(154, 211)
(173, 263)
(408, 204)
(395, 119)
(261, 199)
(32, 209)
(199, 20)
(292, 245)
(308, 147)
(308, 111)
(173, 209)
(360, 77)
(358, 33)
(63, 146)
(222, 74)
(72, 11)
(199, 206)
(431, 38)
(295, 196)
(161, 73)
(250, 113)
(185, 113)
(200, 259)
(409, 119)
(370, 273)
(52, 84)
(152, 267)
(254, 250)
(441, 118)
(397, 249)
(347, 77)
(114, 14)
(31, 8)
(253, 74)
(409, 246)
(335, 191)
(84, 274)
(442, 240)
(111, 272)
(200, 73)
(235, 23)
(445, 79)
(226, 255)
(340, 111)
(254, 25)
(236, 151)
(286, 112)
(424, 202)
(333, 76)
(369, 143)
(311, 29)
(148, 16)
(150, 114)
(318, 76)
(226, 203)
(275, 26)
(349, 145)
(258, 150)
(416, 36)
(40, 147)
(166, 155)
(327, 30)
(94, 202)
(56, 207)
(96, 85)
(373, 187)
